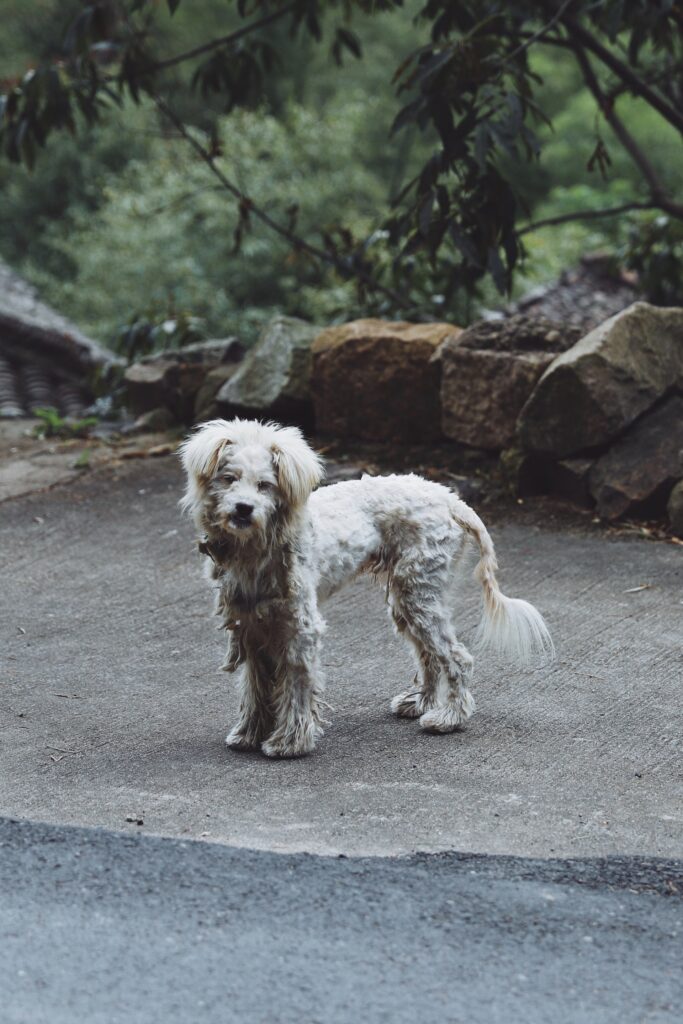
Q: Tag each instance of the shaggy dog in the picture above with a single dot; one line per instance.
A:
(275, 549)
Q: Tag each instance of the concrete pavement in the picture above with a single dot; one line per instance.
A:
(111, 706)
(113, 929)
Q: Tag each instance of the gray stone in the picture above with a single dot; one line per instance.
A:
(149, 385)
(173, 379)
(152, 421)
(213, 352)
(569, 479)
(590, 394)
(206, 402)
(274, 379)
(488, 373)
(636, 475)
(674, 509)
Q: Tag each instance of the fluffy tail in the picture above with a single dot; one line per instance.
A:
(508, 625)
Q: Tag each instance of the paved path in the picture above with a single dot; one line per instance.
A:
(111, 706)
(112, 929)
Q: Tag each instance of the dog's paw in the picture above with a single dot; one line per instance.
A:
(449, 717)
(301, 741)
(410, 704)
(239, 739)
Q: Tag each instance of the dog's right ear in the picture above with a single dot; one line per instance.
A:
(200, 454)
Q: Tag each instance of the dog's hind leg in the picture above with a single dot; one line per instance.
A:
(428, 622)
(414, 702)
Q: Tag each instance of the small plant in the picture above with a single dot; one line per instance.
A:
(55, 425)
(144, 334)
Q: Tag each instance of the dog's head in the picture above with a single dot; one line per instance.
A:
(242, 473)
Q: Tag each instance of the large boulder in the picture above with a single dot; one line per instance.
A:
(488, 373)
(172, 379)
(591, 393)
(638, 472)
(379, 380)
(275, 378)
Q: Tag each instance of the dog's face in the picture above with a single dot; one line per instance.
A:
(241, 474)
(244, 491)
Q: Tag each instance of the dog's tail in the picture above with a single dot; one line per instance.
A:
(508, 624)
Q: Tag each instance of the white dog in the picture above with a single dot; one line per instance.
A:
(274, 549)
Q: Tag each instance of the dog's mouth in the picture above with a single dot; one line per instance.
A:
(241, 522)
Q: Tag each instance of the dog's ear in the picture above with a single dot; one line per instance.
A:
(200, 454)
(299, 468)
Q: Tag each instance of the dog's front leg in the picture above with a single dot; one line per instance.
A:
(298, 723)
(256, 719)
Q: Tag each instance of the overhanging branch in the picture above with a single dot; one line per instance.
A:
(300, 244)
(565, 218)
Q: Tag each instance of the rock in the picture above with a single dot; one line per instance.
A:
(153, 421)
(569, 479)
(205, 404)
(149, 385)
(275, 378)
(213, 352)
(379, 380)
(591, 393)
(674, 509)
(584, 296)
(173, 379)
(488, 373)
(637, 473)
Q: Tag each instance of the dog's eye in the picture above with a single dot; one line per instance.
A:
(264, 485)
(228, 478)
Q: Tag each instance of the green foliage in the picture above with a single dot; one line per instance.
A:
(55, 425)
(163, 235)
(122, 224)
(654, 249)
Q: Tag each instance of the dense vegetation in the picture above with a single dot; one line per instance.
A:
(122, 219)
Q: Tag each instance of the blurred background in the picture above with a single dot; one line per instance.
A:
(121, 220)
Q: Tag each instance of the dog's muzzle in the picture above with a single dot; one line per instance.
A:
(241, 518)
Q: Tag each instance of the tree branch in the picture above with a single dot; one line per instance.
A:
(625, 73)
(606, 105)
(245, 201)
(215, 44)
(538, 36)
(565, 218)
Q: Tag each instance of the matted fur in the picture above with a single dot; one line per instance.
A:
(275, 547)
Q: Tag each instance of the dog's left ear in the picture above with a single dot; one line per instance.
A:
(200, 454)
(299, 468)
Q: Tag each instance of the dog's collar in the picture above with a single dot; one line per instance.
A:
(215, 549)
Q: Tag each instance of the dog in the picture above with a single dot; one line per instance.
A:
(275, 547)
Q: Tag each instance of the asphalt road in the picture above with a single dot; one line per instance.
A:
(112, 708)
(105, 928)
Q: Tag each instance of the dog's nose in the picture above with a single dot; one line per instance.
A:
(243, 510)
